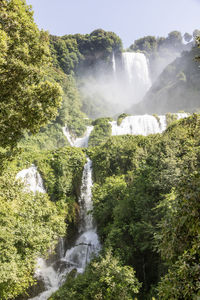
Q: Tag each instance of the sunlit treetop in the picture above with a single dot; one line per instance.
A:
(27, 99)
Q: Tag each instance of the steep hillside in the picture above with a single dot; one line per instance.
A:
(146, 205)
(177, 88)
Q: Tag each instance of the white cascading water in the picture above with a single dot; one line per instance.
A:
(32, 179)
(135, 125)
(181, 115)
(142, 125)
(78, 142)
(137, 75)
(49, 276)
(68, 136)
(33, 182)
(86, 245)
(113, 64)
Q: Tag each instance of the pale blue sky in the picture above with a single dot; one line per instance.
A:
(130, 19)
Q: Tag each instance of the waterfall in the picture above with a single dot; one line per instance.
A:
(49, 276)
(181, 115)
(86, 245)
(83, 141)
(78, 142)
(136, 74)
(68, 136)
(143, 125)
(32, 179)
(113, 63)
(33, 182)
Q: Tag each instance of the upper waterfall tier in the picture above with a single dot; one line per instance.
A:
(136, 74)
(113, 63)
(136, 66)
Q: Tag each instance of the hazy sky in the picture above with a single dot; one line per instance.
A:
(130, 19)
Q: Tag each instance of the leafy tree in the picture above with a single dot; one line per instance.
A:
(179, 243)
(70, 113)
(65, 53)
(196, 33)
(174, 39)
(30, 225)
(101, 131)
(187, 37)
(148, 44)
(76, 53)
(28, 100)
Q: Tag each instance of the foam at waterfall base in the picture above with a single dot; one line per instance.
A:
(86, 246)
(50, 278)
(47, 273)
(45, 295)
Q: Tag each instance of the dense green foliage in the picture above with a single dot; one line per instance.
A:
(61, 170)
(171, 118)
(146, 191)
(133, 176)
(179, 240)
(29, 225)
(49, 138)
(101, 132)
(104, 278)
(78, 53)
(151, 44)
(27, 99)
(70, 114)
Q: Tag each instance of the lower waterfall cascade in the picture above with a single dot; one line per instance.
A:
(142, 125)
(87, 243)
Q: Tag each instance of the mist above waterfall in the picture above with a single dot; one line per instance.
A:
(176, 88)
(113, 91)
